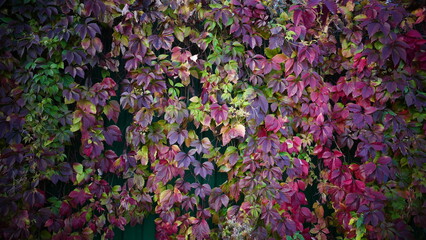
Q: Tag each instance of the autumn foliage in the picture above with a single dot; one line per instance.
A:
(224, 119)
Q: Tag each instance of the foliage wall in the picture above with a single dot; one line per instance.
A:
(312, 111)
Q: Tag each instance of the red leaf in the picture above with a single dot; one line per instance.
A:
(108, 83)
(273, 124)
(279, 58)
(88, 150)
(65, 209)
(202, 190)
(79, 196)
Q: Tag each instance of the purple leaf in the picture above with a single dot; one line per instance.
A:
(331, 5)
(313, 3)
(112, 110)
(367, 169)
(112, 134)
(218, 199)
(188, 202)
(373, 28)
(203, 169)
(201, 190)
(201, 230)
(177, 136)
(184, 159)
(34, 198)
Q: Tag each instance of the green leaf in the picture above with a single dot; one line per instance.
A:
(378, 45)
(75, 127)
(270, 53)
(53, 89)
(80, 178)
(215, 5)
(179, 33)
(142, 155)
(211, 26)
(78, 167)
(116, 188)
(360, 222)
(88, 215)
(105, 73)
(6, 19)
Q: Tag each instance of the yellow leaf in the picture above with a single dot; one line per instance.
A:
(360, 17)
(75, 127)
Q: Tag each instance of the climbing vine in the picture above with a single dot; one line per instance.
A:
(225, 119)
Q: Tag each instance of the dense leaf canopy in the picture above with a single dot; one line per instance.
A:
(312, 111)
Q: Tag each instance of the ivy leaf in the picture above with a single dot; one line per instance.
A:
(218, 199)
(332, 159)
(273, 124)
(112, 110)
(202, 190)
(279, 58)
(65, 209)
(372, 215)
(163, 40)
(78, 168)
(201, 230)
(137, 46)
(166, 170)
(331, 5)
(237, 131)
(270, 215)
(88, 28)
(352, 201)
(367, 169)
(373, 28)
(34, 198)
(230, 133)
(96, 7)
(188, 202)
(277, 38)
(252, 40)
(112, 134)
(177, 136)
(203, 169)
(79, 196)
(219, 113)
(87, 107)
(185, 159)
